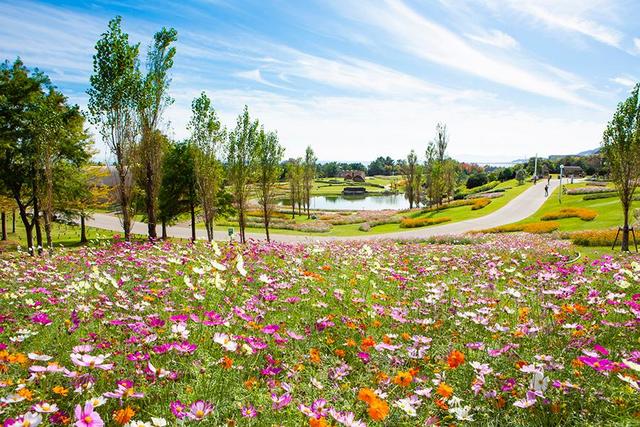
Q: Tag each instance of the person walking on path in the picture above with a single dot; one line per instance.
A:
(546, 190)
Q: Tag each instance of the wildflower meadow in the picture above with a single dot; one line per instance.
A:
(505, 330)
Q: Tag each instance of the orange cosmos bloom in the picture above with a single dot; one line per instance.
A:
(124, 415)
(455, 359)
(60, 390)
(403, 379)
(367, 343)
(340, 352)
(378, 409)
(227, 362)
(318, 422)
(444, 390)
(366, 395)
(314, 353)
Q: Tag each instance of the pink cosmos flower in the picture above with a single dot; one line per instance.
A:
(280, 402)
(270, 329)
(199, 410)
(87, 417)
(178, 409)
(248, 411)
(89, 361)
(125, 389)
(27, 420)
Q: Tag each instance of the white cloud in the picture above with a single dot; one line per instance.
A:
(495, 38)
(578, 16)
(359, 128)
(625, 80)
(431, 41)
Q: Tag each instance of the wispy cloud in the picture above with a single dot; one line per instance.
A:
(429, 40)
(625, 80)
(582, 17)
(494, 38)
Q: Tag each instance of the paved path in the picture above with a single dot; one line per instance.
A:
(521, 207)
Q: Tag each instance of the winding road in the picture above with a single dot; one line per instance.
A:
(521, 207)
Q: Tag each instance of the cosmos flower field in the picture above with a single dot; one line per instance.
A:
(508, 330)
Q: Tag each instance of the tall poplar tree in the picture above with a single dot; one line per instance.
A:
(152, 101)
(113, 108)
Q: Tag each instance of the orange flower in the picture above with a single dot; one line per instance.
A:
(366, 395)
(382, 377)
(26, 393)
(124, 415)
(250, 383)
(314, 353)
(442, 404)
(351, 343)
(455, 359)
(318, 422)
(378, 409)
(444, 390)
(227, 362)
(60, 390)
(340, 352)
(403, 379)
(367, 343)
(414, 371)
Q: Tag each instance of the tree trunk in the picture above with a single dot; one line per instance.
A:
(36, 222)
(123, 196)
(266, 220)
(83, 230)
(13, 221)
(28, 228)
(47, 229)
(164, 229)
(625, 230)
(4, 225)
(151, 208)
(192, 209)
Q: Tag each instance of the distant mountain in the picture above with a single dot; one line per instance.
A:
(589, 152)
(560, 156)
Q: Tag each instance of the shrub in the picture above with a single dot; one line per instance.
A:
(582, 213)
(588, 190)
(421, 222)
(480, 203)
(591, 237)
(477, 180)
(364, 227)
(532, 227)
(600, 196)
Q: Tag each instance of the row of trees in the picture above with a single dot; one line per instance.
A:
(434, 180)
(43, 144)
(45, 150)
(126, 105)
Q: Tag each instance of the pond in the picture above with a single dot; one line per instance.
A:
(357, 203)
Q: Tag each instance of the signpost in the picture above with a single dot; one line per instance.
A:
(230, 232)
(560, 188)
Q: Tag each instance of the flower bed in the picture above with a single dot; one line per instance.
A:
(532, 227)
(421, 222)
(588, 190)
(501, 332)
(582, 213)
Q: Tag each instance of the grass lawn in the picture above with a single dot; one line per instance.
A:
(63, 235)
(609, 211)
(456, 214)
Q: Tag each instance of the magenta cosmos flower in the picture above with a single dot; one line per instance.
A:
(87, 417)
(199, 410)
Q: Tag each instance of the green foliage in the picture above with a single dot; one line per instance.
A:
(477, 180)
(241, 162)
(621, 148)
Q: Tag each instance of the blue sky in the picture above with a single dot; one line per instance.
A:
(358, 79)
